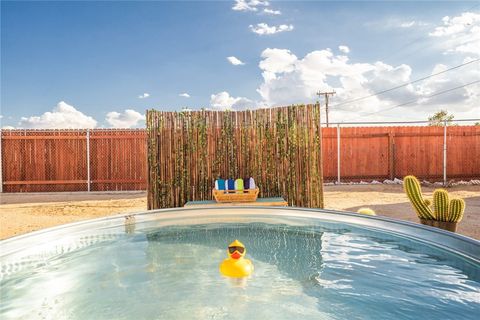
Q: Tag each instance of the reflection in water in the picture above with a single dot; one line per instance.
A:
(328, 271)
(130, 225)
(295, 252)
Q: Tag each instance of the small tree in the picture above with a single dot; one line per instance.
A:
(439, 118)
(477, 124)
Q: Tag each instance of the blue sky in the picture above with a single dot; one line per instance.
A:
(84, 64)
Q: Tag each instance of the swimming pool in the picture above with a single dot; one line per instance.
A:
(309, 264)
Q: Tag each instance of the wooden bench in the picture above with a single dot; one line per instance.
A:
(265, 202)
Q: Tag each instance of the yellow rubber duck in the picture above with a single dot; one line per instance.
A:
(236, 266)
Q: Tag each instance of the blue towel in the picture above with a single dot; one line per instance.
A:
(220, 184)
(246, 183)
(231, 184)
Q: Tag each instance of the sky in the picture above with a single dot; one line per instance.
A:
(95, 64)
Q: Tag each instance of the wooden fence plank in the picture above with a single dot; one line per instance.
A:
(55, 160)
(119, 157)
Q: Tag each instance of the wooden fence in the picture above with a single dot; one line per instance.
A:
(56, 160)
(73, 160)
(393, 152)
(279, 147)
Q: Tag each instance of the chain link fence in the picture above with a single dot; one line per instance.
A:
(116, 159)
(385, 152)
(73, 160)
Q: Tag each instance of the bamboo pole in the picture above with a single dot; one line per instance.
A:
(280, 148)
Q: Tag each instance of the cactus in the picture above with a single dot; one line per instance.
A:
(414, 193)
(444, 209)
(440, 204)
(456, 209)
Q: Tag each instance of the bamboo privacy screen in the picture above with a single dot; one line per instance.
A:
(279, 147)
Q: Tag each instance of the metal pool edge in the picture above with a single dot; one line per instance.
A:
(462, 245)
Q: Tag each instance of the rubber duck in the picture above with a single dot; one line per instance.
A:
(236, 266)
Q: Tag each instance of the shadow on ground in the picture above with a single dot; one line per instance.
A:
(469, 226)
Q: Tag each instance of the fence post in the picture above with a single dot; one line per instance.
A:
(391, 154)
(445, 153)
(1, 163)
(88, 160)
(338, 153)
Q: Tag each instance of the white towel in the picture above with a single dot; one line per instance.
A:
(252, 183)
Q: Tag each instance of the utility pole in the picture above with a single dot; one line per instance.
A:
(326, 94)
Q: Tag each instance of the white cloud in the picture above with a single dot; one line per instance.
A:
(288, 79)
(265, 29)
(462, 23)
(272, 12)
(413, 23)
(143, 96)
(460, 34)
(185, 95)
(276, 61)
(249, 5)
(128, 119)
(344, 49)
(407, 24)
(395, 23)
(291, 80)
(63, 116)
(235, 61)
(8, 127)
(223, 101)
(463, 99)
(385, 76)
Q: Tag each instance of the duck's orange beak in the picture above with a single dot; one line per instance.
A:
(236, 255)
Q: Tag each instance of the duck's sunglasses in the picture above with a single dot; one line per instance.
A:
(233, 249)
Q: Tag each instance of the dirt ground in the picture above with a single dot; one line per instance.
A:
(22, 213)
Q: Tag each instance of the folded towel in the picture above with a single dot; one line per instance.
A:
(252, 184)
(239, 184)
(230, 184)
(246, 183)
(220, 184)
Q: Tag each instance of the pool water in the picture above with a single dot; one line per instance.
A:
(321, 270)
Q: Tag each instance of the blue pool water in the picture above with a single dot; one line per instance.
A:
(304, 268)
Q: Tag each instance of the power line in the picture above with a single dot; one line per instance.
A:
(426, 44)
(415, 81)
(424, 37)
(402, 85)
(413, 101)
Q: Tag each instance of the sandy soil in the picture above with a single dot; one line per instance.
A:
(22, 213)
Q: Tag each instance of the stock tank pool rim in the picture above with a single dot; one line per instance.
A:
(461, 245)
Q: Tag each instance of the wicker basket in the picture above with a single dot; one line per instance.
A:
(248, 195)
(445, 225)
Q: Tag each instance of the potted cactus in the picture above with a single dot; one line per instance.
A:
(445, 214)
